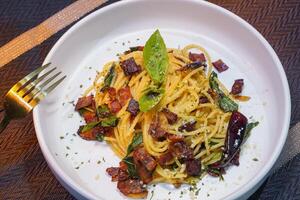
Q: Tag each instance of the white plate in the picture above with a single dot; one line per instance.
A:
(97, 39)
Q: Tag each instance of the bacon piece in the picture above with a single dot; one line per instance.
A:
(123, 95)
(203, 99)
(156, 131)
(114, 106)
(145, 164)
(113, 172)
(133, 107)
(165, 159)
(84, 102)
(89, 116)
(130, 67)
(93, 133)
(197, 57)
(181, 150)
(171, 117)
(146, 159)
(237, 86)
(193, 167)
(144, 174)
(188, 126)
(175, 138)
(132, 186)
(123, 165)
(212, 93)
(112, 92)
(220, 65)
(117, 174)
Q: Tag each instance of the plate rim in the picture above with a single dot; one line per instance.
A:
(245, 189)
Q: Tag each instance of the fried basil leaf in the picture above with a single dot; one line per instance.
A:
(136, 141)
(150, 98)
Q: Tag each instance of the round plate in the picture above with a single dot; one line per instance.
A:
(80, 165)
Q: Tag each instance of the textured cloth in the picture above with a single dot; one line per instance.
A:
(24, 173)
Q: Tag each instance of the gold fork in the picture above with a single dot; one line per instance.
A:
(27, 93)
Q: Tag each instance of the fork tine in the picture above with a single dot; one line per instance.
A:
(34, 83)
(27, 79)
(41, 94)
(39, 88)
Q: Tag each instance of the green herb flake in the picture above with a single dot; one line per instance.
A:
(77, 167)
(100, 137)
(98, 162)
(152, 193)
(156, 58)
(136, 141)
(255, 159)
(197, 192)
(103, 159)
(67, 147)
(61, 137)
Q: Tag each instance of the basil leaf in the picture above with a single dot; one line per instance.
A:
(156, 58)
(150, 98)
(130, 167)
(249, 127)
(103, 111)
(136, 141)
(109, 77)
(89, 126)
(214, 84)
(110, 122)
(227, 105)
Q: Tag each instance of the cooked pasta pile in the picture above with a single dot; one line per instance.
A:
(183, 90)
(166, 115)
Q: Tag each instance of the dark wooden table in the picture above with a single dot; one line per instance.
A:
(24, 173)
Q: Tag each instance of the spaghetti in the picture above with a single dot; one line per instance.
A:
(176, 140)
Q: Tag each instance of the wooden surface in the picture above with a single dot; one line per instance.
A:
(24, 173)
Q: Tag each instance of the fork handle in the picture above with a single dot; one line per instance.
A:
(5, 121)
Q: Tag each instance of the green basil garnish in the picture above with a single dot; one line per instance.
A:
(130, 167)
(109, 77)
(225, 103)
(156, 58)
(150, 98)
(249, 127)
(100, 137)
(89, 126)
(136, 141)
(110, 122)
(103, 111)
